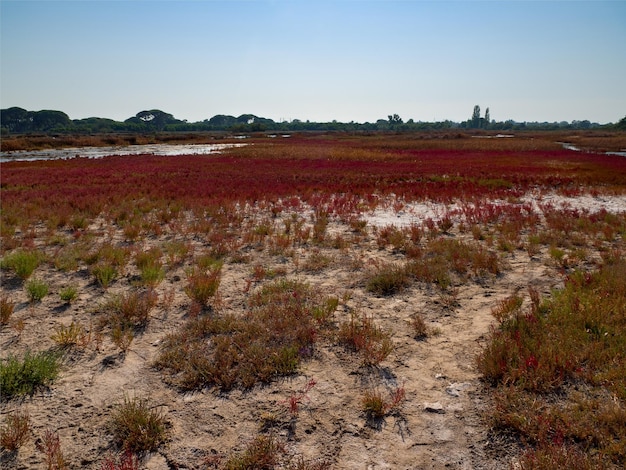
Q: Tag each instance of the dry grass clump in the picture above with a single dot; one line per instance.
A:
(202, 283)
(16, 431)
(126, 461)
(127, 314)
(418, 326)
(6, 309)
(362, 335)
(443, 257)
(263, 453)
(376, 406)
(72, 335)
(539, 359)
(317, 262)
(137, 427)
(50, 446)
(278, 330)
(387, 279)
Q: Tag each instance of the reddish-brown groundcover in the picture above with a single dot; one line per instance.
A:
(313, 169)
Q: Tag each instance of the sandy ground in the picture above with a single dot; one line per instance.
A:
(439, 425)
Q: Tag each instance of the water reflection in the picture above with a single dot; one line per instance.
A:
(100, 152)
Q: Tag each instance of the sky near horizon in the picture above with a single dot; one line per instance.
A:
(344, 60)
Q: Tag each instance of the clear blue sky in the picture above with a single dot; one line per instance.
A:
(317, 60)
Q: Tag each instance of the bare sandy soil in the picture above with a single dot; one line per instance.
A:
(440, 424)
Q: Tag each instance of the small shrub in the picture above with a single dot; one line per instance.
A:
(320, 223)
(152, 274)
(148, 257)
(445, 224)
(108, 254)
(68, 294)
(391, 235)
(104, 273)
(176, 252)
(317, 262)
(132, 231)
(126, 461)
(202, 284)
(507, 307)
(72, 335)
(126, 314)
(50, 446)
(133, 308)
(418, 326)
(263, 453)
(6, 309)
(67, 258)
(387, 280)
(559, 371)
(362, 335)
(23, 376)
(22, 262)
(149, 264)
(274, 335)
(122, 336)
(137, 427)
(376, 406)
(558, 255)
(295, 399)
(36, 290)
(15, 431)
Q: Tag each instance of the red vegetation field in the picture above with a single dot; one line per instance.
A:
(312, 169)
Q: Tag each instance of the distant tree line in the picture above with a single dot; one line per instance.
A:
(20, 121)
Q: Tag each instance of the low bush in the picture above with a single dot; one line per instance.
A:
(23, 376)
(263, 453)
(6, 309)
(137, 427)
(362, 335)
(387, 280)
(50, 446)
(127, 314)
(36, 290)
(376, 406)
(69, 294)
(22, 262)
(202, 284)
(16, 431)
(278, 330)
